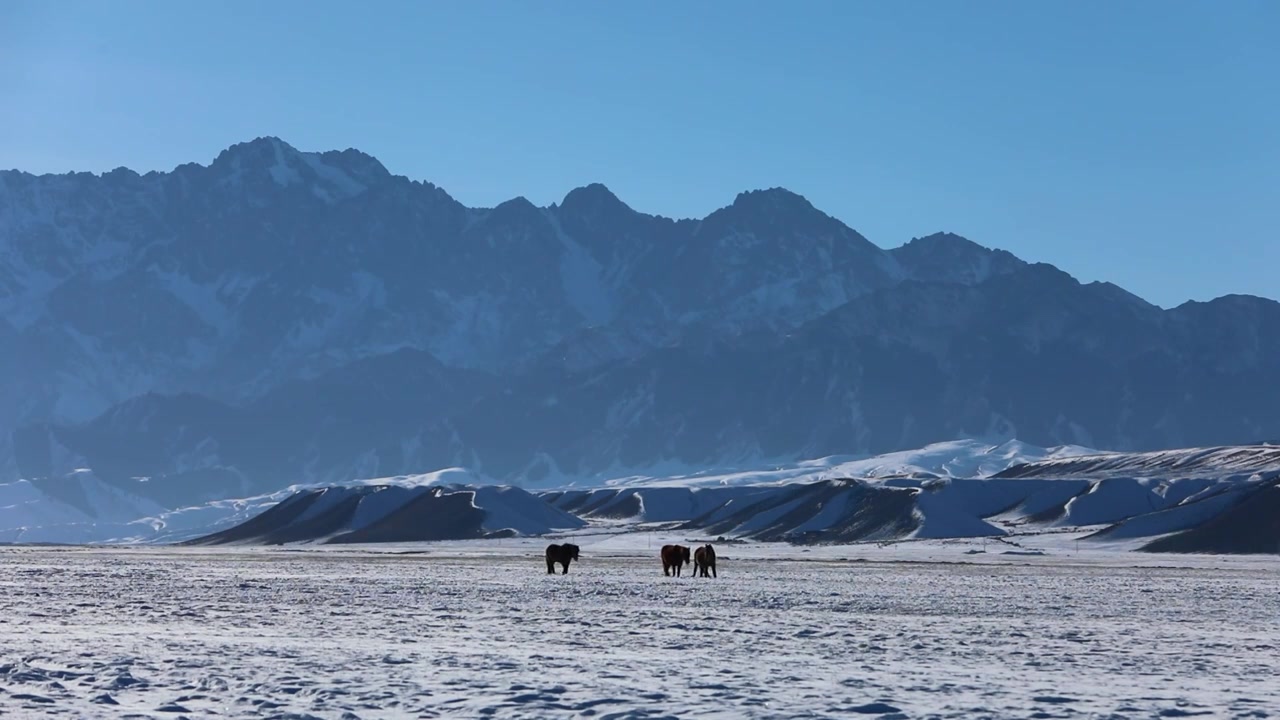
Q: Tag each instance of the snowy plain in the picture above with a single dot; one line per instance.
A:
(967, 628)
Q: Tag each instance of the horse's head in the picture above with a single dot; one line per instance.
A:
(684, 554)
(573, 550)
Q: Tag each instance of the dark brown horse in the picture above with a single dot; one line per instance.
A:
(704, 558)
(674, 557)
(560, 554)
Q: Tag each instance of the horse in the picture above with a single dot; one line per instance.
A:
(673, 558)
(560, 554)
(704, 558)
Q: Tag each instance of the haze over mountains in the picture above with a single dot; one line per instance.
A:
(279, 317)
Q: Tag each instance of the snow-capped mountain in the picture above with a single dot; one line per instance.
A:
(280, 316)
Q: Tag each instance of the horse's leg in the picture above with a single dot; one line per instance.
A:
(551, 566)
(566, 567)
(713, 570)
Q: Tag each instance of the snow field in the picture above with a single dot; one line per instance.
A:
(256, 633)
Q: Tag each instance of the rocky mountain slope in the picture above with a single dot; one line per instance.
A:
(281, 316)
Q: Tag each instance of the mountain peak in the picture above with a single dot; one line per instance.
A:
(594, 201)
(951, 258)
(516, 210)
(518, 203)
(269, 155)
(1233, 302)
(265, 149)
(778, 212)
(593, 195)
(946, 240)
(776, 198)
(361, 166)
(331, 176)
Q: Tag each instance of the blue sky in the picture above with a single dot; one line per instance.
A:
(1135, 142)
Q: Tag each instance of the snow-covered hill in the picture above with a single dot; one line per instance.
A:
(30, 513)
(76, 508)
(1195, 500)
(1126, 511)
(395, 513)
(81, 508)
(1184, 462)
(966, 458)
(1203, 499)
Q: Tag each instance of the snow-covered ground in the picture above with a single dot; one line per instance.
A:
(479, 630)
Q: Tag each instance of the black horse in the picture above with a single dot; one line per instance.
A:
(704, 558)
(674, 557)
(560, 554)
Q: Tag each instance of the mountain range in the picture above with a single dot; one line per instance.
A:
(280, 317)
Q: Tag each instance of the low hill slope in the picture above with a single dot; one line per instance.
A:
(390, 513)
(1185, 462)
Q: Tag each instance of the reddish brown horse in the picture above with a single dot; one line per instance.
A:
(560, 554)
(704, 558)
(674, 557)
